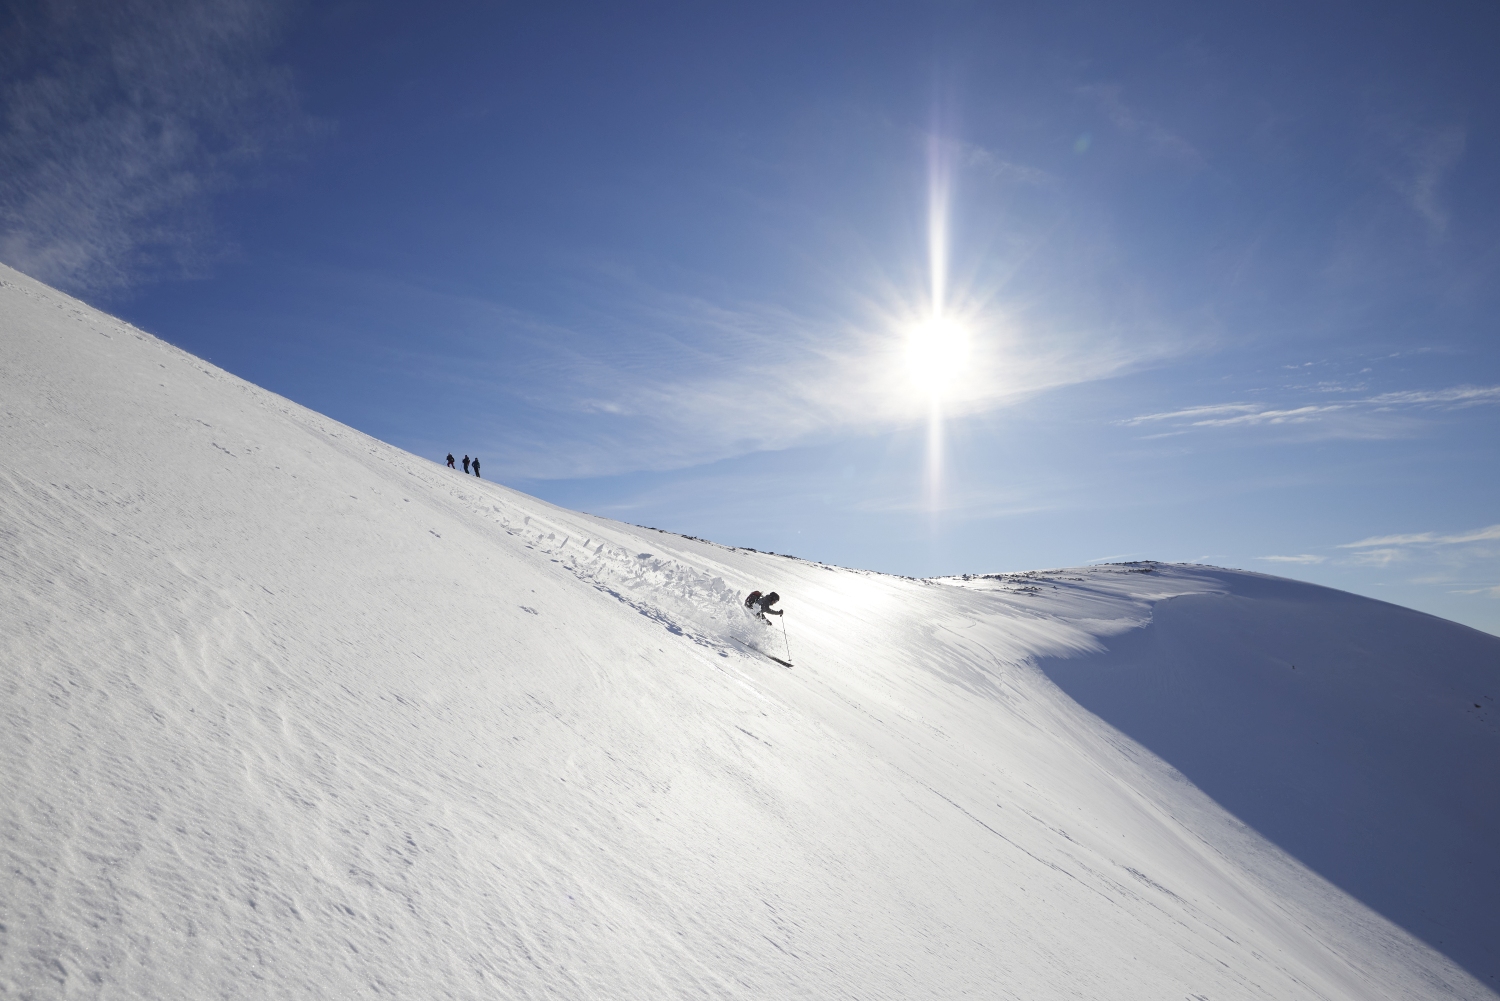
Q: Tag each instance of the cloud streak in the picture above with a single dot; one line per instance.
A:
(1158, 139)
(121, 121)
(682, 379)
(1002, 169)
(1357, 418)
(764, 378)
(1451, 553)
(1445, 558)
(1429, 155)
(1490, 534)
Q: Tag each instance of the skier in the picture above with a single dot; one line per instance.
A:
(476, 465)
(466, 463)
(450, 461)
(761, 604)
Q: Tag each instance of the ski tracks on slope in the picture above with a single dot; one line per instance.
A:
(696, 604)
(687, 601)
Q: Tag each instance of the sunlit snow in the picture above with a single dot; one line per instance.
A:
(291, 713)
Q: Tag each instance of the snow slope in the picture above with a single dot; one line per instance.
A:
(1357, 735)
(289, 713)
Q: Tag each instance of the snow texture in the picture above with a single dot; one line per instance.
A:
(290, 713)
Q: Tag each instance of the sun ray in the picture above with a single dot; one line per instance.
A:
(939, 180)
(938, 347)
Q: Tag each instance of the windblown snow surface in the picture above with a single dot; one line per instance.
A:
(291, 713)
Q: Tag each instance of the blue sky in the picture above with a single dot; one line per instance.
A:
(1228, 272)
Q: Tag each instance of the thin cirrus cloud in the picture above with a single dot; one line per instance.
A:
(1371, 416)
(763, 378)
(636, 377)
(1425, 158)
(999, 168)
(1490, 534)
(121, 121)
(1453, 550)
(1158, 139)
(703, 379)
(684, 379)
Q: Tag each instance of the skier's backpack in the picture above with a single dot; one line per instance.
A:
(752, 599)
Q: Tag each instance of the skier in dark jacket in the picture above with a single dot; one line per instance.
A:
(450, 461)
(466, 463)
(476, 465)
(761, 604)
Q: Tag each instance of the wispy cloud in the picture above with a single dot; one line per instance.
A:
(1002, 169)
(1380, 557)
(1492, 533)
(1425, 158)
(1450, 557)
(1446, 560)
(641, 378)
(120, 122)
(760, 377)
(1296, 415)
(1357, 417)
(1195, 414)
(1460, 396)
(773, 379)
(1158, 138)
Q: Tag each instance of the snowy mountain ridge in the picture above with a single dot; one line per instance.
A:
(292, 713)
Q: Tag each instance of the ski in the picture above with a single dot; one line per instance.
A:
(747, 646)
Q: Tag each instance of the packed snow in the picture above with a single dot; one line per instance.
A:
(291, 713)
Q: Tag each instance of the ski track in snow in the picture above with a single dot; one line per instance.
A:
(290, 713)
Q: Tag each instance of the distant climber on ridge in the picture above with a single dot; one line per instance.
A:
(761, 604)
(450, 461)
(476, 465)
(466, 463)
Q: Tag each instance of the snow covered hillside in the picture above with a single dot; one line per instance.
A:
(290, 713)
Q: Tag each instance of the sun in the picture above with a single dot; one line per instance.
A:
(937, 352)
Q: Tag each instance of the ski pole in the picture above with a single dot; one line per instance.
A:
(785, 640)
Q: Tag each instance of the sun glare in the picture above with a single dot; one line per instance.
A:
(937, 350)
(936, 353)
